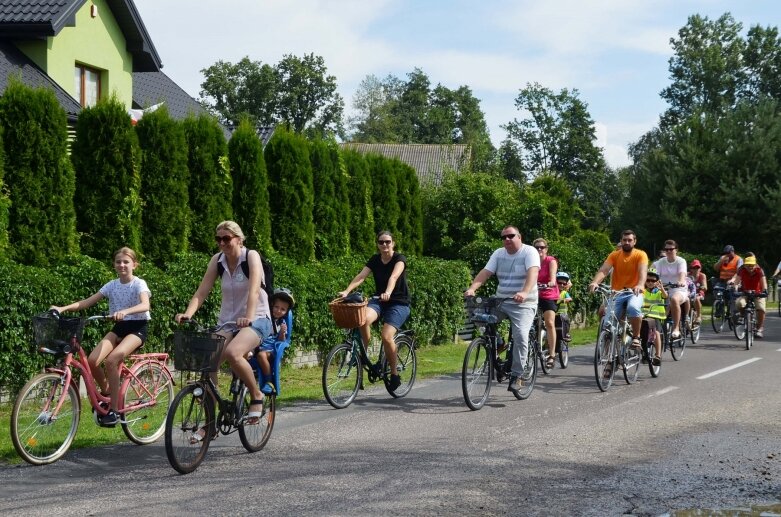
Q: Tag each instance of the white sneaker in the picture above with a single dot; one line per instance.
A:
(760, 332)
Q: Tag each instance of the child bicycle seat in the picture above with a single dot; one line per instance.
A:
(276, 356)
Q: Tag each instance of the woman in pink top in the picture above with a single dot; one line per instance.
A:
(548, 295)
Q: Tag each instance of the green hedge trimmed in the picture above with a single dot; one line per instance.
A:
(436, 287)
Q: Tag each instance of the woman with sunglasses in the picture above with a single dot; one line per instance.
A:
(389, 269)
(672, 270)
(243, 301)
(548, 295)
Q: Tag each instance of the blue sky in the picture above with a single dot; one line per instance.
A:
(614, 52)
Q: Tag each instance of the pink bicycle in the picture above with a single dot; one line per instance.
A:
(46, 413)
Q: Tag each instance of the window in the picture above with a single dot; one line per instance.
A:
(87, 83)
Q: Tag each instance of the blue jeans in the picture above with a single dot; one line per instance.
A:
(521, 319)
(628, 303)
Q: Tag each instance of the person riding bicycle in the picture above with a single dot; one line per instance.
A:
(700, 280)
(389, 269)
(516, 266)
(243, 301)
(548, 296)
(672, 270)
(726, 267)
(751, 277)
(654, 295)
(128, 304)
(629, 266)
(563, 281)
(281, 302)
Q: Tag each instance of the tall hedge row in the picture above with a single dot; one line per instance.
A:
(211, 186)
(359, 190)
(291, 195)
(331, 211)
(106, 159)
(4, 203)
(38, 175)
(435, 286)
(410, 223)
(384, 195)
(250, 186)
(164, 179)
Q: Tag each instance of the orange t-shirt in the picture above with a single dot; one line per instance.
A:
(625, 266)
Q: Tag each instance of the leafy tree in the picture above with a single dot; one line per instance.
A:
(291, 195)
(331, 207)
(164, 180)
(558, 138)
(251, 205)
(39, 175)
(359, 189)
(211, 187)
(296, 92)
(106, 158)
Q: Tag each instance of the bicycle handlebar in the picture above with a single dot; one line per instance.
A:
(201, 328)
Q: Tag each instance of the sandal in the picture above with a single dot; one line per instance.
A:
(253, 417)
(550, 362)
(636, 344)
(200, 435)
(657, 361)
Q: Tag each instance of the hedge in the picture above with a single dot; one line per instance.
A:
(436, 288)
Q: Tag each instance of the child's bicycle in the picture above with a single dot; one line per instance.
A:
(343, 366)
(46, 413)
(192, 423)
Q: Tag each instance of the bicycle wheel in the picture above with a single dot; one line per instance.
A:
(42, 433)
(254, 436)
(406, 366)
(739, 325)
(630, 363)
(718, 316)
(537, 346)
(604, 362)
(749, 329)
(150, 384)
(563, 353)
(476, 373)
(678, 346)
(650, 352)
(694, 327)
(341, 375)
(191, 415)
(529, 375)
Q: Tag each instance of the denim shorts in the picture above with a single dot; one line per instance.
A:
(262, 327)
(393, 314)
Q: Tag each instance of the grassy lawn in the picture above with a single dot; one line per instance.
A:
(299, 384)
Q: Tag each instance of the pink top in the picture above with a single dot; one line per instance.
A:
(544, 277)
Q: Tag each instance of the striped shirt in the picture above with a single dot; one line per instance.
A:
(511, 272)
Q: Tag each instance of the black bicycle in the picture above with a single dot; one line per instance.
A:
(676, 345)
(720, 310)
(345, 363)
(191, 424)
(746, 325)
(489, 356)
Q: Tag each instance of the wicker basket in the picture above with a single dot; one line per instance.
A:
(197, 351)
(348, 315)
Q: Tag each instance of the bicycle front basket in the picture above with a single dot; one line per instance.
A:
(50, 331)
(348, 315)
(197, 351)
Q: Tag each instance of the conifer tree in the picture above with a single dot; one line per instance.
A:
(359, 190)
(331, 209)
(384, 194)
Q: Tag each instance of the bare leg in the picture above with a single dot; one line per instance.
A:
(114, 362)
(550, 328)
(96, 357)
(388, 333)
(236, 353)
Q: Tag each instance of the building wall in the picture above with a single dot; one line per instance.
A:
(95, 42)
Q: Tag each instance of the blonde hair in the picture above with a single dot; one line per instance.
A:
(540, 240)
(233, 227)
(125, 251)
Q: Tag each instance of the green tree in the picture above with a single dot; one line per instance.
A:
(331, 208)
(39, 176)
(106, 158)
(164, 180)
(4, 202)
(251, 203)
(247, 88)
(291, 195)
(384, 194)
(410, 208)
(211, 187)
(359, 189)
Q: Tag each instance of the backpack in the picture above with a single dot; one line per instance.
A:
(268, 272)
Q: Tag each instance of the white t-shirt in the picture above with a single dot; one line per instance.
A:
(511, 272)
(669, 272)
(123, 296)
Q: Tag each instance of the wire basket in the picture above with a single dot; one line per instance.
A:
(197, 351)
(51, 331)
(348, 315)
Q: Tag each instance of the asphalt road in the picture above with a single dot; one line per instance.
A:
(704, 435)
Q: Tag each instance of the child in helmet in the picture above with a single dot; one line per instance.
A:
(562, 279)
(653, 311)
(281, 302)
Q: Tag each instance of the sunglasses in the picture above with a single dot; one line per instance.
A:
(384, 242)
(508, 236)
(541, 247)
(225, 239)
(653, 280)
(670, 249)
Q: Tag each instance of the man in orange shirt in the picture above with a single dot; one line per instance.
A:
(629, 266)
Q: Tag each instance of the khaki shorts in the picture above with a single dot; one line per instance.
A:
(759, 302)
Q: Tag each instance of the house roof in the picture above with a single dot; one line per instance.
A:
(13, 62)
(37, 19)
(429, 160)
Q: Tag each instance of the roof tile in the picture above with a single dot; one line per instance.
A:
(429, 160)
